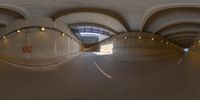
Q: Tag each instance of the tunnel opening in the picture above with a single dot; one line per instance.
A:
(106, 49)
(91, 35)
(186, 50)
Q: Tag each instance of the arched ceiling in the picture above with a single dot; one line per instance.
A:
(93, 17)
(106, 12)
(118, 15)
(92, 25)
(9, 13)
(176, 24)
(181, 34)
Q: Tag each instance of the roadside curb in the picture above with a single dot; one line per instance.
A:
(50, 66)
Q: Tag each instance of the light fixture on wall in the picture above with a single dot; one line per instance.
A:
(4, 37)
(125, 38)
(18, 31)
(42, 29)
(199, 41)
(167, 42)
(63, 34)
(140, 37)
(161, 41)
(152, 39)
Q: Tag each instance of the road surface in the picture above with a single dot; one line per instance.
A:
(93, 77)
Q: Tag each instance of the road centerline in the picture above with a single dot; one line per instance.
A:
(180, 60)
(104, 73)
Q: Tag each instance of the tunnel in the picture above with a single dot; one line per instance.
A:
(99, 50)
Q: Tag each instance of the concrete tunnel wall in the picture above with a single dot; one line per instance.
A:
(128, 46)
(45, 44)
(194, 50)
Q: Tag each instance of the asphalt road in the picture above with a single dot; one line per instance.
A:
(92, 77)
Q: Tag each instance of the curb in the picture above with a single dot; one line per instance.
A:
(52, 66)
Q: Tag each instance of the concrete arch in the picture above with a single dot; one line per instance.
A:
(112, 14)
(185, 43)
(193, 33)
(19, 10)
(182, 37)
(95, 25)
(178, 30)
(178, 22)
(151, 11)
(3, 23)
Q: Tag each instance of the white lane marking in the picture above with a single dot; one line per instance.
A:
(181, 59)
(104, 73)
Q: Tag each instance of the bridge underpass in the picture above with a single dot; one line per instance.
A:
(97, 51)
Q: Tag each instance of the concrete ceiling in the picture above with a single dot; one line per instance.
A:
(157, 16)
(173, 21)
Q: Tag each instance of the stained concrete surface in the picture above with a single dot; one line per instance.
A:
(79, 79)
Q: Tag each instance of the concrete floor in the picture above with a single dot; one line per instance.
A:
(110, 79)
